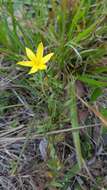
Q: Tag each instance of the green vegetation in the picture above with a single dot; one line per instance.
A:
(70, 94)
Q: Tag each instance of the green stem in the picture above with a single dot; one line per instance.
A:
(74, 122)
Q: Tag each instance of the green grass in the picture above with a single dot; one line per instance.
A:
(78, 40)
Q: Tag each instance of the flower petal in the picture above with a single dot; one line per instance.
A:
(43, 67)
(30, 54)
(40, 50)
(47, 57)
(26, 63)
(34, 69)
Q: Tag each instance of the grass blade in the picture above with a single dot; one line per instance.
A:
(74, 122)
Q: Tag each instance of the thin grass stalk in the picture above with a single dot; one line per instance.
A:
(74, 122)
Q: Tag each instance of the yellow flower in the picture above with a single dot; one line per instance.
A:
(36, 61)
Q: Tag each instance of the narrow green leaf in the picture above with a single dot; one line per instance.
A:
(74, 122)
(69, 175)
(85, 34)
(92, 82)
(101, 69)
(96, 93)
(103, 111)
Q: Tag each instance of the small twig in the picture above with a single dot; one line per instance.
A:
(39, 135)
(11, 131)
(96, 112)
(21, 153)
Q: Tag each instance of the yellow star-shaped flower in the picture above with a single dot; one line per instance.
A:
(36, 61)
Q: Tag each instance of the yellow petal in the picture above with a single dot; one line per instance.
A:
(43, 67)
(34, 69)
(47, 57)
(30, 54)
(25, 63)
(40, 50)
